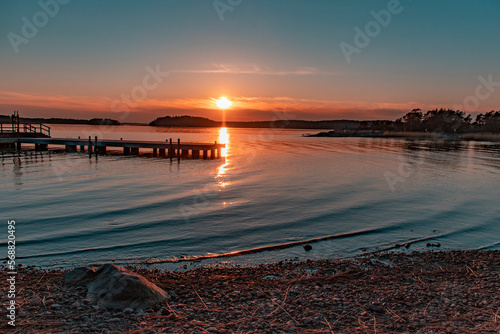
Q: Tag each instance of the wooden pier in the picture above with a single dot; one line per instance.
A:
(171, 149)
(15, 134)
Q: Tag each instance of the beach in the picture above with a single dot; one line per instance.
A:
(417, 292)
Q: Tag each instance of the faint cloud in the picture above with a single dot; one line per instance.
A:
(80, 103)
(252, 69)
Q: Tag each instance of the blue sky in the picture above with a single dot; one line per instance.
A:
(263, 55)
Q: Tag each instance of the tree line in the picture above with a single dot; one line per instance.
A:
(438, 120)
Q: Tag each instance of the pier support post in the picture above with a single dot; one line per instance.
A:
(82, 148)
(170, 150)
(178, 149)
(41, 147)
(71, 148)
(100, 149)
(218, 153)
(126, 151)
(205, 154)
(18, 146)
(134, 150)
(95, 146)
(195, 154)
(162, 152)
(212, 153)
(185, 153)
(90, 146)
(155, 152)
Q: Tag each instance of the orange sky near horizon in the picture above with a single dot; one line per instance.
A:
(242, 109)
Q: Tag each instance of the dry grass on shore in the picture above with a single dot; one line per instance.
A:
(430, 292)
(488, 137)
(493, 137)
(413, 135)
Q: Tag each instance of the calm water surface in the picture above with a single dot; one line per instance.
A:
(273, 187)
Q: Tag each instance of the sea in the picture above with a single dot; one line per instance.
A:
(273, 187)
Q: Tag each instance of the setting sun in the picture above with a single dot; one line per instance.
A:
(223, 103)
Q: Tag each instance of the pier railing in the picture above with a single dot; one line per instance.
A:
(25, 128)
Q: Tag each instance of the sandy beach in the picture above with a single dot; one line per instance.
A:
(429, 292)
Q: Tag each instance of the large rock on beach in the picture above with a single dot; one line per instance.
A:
(116, 288)
(80, 276)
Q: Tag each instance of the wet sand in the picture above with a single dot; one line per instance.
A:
(428, 292)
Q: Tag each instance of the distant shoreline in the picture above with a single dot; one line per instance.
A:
(337, 128)
(35, 120)
(200, 122)
(478, 136)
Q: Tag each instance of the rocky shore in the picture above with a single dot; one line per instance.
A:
(429, 292)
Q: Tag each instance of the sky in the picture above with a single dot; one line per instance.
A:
(322, 59)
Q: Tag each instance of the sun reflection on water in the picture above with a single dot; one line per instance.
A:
(224, 139)
(222, 177)
(222, 170)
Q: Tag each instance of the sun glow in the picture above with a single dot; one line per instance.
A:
(223, 103)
